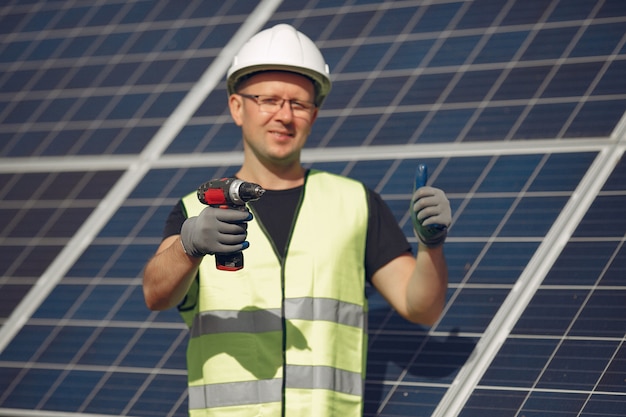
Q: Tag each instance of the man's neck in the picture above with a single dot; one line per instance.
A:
(273, 179)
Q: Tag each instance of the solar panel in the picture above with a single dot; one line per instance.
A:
(112, 110)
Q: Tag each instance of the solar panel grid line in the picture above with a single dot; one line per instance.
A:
(131, 177)
(531, 278)
(378, 152)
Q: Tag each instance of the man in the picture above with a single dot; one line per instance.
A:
(286, 335)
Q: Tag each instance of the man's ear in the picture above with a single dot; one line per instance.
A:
(235, 104)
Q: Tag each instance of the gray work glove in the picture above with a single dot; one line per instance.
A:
(430, 211)
(215, 230)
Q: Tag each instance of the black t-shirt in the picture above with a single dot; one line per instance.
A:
(385, 239)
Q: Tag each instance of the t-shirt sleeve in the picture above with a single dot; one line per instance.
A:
(175, 220)
(385, 239)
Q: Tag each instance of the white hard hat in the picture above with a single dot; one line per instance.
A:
(281, 48)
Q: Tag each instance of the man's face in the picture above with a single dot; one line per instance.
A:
(275, 134)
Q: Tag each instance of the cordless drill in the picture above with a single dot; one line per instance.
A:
(229, 193)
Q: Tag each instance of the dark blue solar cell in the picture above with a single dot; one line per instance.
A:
(9, 22)
(56, 110)
(148, 41)
(602, 404)
(522, 83)
(366, 58)
(341, 94)
(150, 348)
(603, 315)
(44, 49)
(125, 264)
(97, 302)
(162, 394)
(28, 390)
(72, 390)
(580, 263)
(613, 80)
(542, 404)
(78, 47)
(613, 379)
(573, 80)
(519, 362)
(25, 344)
(437, 17)
(105, 14)
(183, 38)
(595, 223)
(410, 54)
(164, 105)
(28, 144)
(482, 216)
(616, 271)
(22, 111)
(351, 25)
(480, 13)
(571, 10)
(59, 301)
(127, 105)
(549, 43)
(13, 51)
(473, 86)
(383, 91)
(116, 392)
(550, 312)
(533, 216)
(392, 20)
(501, 47)
(446, 126)
(17, 81)
(597, 119)
(577, 364)
(454, 51)
(135, 139)
(191, 70)
(427, 89)
(612, 8)
(219, 36)
(51, 79)
(92, 261)
(503, 263)
(562, 172)
(544, 121)
(510, 173)
(440, 359)
(91, 108)
(112, 44)
(39, 21)
(525, 12)
(398, 128)
(493, 123)
(472, 310)
(138, 12)
(65, 344)
(485, 402)
(599, 39)
(106, 346)
(354, 130)
(71, 17)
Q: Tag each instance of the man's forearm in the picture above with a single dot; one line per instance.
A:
(168, 275)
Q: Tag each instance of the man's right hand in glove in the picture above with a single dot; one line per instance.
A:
(215, 230)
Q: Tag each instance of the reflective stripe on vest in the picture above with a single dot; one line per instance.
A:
(301, 320)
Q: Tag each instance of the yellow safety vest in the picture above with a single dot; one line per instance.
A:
(285, 333)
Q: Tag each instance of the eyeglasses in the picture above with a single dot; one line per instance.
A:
(272, 104)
